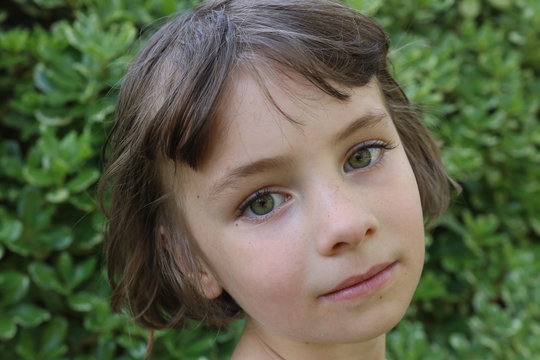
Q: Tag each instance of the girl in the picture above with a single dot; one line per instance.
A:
(265, 164)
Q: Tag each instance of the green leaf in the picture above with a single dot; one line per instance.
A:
(27, 345)
(8, 329)
(64, 265)
(52, 119)
(200, 346)
(31, 210)
(105, 349)
(83, 201)
(82, 272)
(13, 287)
(82, 301)
(45, 277)
(57, 196)
(40, 79)
(430, 287)
(83, 180)
(53, 338)
(469, 8)
(57, 239)
(501, 4)
(101, 318)
(28, 315)
(11, 229)
(37, 176)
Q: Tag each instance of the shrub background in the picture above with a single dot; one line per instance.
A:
(473, 66)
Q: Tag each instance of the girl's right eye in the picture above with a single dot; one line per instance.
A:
(261, 204)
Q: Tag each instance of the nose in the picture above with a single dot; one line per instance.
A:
(343, 219)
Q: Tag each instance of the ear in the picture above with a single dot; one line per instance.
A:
(209, 285)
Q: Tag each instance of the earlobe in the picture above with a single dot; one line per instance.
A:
(210, 286)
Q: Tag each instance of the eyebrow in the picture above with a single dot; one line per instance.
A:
(256, 167)
(268, 164)
(365, 121)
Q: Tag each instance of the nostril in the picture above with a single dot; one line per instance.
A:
(340, 245)
(370, 231)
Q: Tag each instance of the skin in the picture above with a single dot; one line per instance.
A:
(330, 220)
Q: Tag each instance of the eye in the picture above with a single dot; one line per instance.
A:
(262, 203)
(366, 155)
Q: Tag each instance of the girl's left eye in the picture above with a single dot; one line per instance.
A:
(366, 155)
(262, 204)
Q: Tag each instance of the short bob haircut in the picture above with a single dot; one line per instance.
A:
(166, 113)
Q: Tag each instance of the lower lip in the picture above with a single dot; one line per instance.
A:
(362, 288)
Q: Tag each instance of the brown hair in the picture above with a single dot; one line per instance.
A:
(166, 112)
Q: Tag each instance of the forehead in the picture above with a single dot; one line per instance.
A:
(255, 108)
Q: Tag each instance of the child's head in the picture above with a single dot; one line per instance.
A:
(262, 155)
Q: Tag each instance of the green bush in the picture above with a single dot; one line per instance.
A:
(473, 66)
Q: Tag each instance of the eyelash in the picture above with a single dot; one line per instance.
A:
(256, 195)
(372, 144)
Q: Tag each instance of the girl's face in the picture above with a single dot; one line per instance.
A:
(315, 228)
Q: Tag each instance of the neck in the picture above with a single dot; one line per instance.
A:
(258, 344)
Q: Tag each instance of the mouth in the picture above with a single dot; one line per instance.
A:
(362, 284)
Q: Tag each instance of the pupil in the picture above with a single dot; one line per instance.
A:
(262, 205)
(360, 159)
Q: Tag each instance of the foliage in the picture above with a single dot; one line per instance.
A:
(473, 66)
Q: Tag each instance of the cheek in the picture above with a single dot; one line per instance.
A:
(400, 209)
(406, 209)
(262, 270)
(404, 198)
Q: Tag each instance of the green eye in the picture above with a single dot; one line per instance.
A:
(262, 205)
(364, 157)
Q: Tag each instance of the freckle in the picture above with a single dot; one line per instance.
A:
(198, 196)
(380, 297)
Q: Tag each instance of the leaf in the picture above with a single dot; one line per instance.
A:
(11, 229)
(501, 4)
(45, 277)
(28, 315)
(8, 329)
(13, 287)
(57, 196)
(40, 79)
(430, 287)
(105, 349)
(31, 210)
(82, 301)
(27, 345)
(101, 319)
(57, 239)
(469, 8)
(83, 180)
(64, 265)
(37, 176)
(69, 146)
(82, 272)
(53, 338)
(83, 201)
(200, 346)
(52, 120)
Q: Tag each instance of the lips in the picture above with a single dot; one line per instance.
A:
(361, 284)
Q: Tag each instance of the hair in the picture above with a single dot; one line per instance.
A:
(167, 110)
